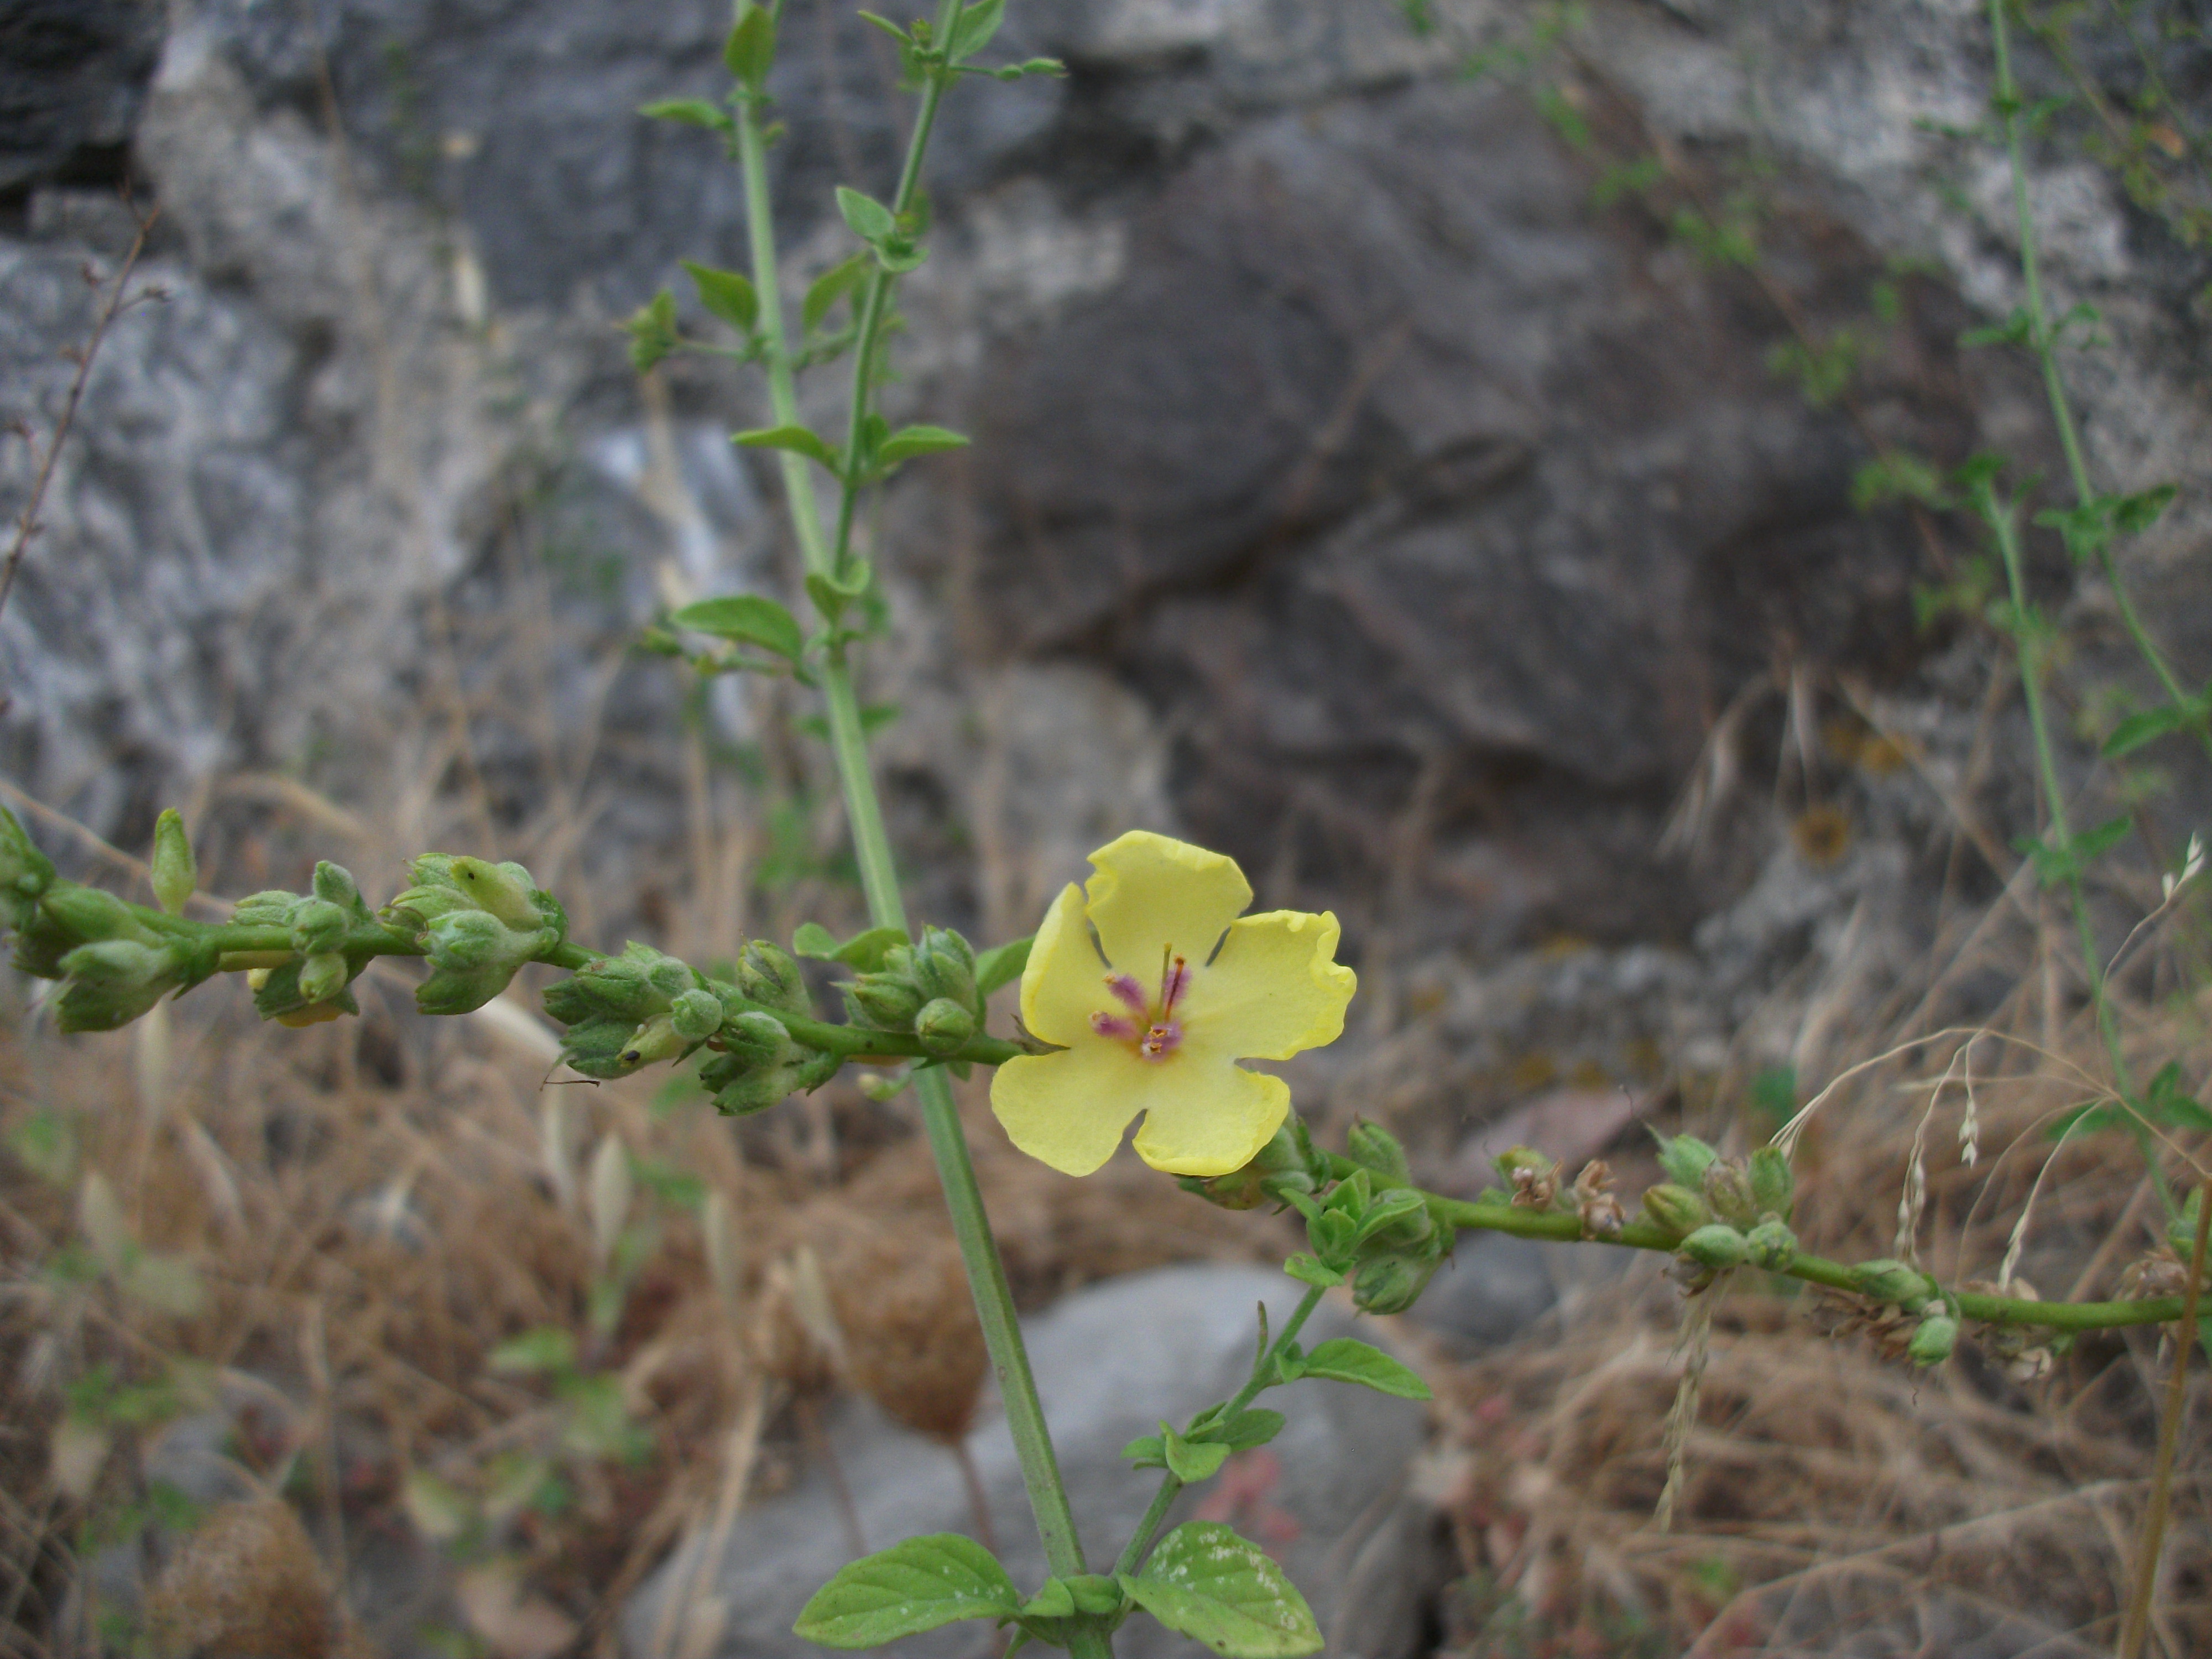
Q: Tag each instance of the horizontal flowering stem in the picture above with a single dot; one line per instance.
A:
(1555, 1227)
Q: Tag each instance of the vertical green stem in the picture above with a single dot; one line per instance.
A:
(2045, 346)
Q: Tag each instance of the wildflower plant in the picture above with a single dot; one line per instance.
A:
(1140, 993)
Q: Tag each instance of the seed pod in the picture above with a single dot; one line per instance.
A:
(175, 873)
(1773, 1186)
(1728, 1190)
(767, 974)
(1392, 1284)
(657, 1039)
(1718, 1245)
(696, 1016)
(1932, 1343)
(1773, 1246)
(943, 1024)
(1676, 1209)
(1684, 1158)
(1891, 1281)
(504, 890)
(1375, 1147)
(322, 976)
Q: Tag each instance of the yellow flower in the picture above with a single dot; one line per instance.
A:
(1155, 986)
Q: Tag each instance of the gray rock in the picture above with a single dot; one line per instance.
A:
(1111, 1361)
(72, 74)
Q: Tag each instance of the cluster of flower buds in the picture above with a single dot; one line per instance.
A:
(1723, 1212)
(303, 981)
(1373, 1228)
(928, 989)
(643, 1006)
(478, 922)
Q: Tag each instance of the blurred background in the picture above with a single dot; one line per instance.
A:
(1434, 453)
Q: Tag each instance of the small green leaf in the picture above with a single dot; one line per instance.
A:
(910, 1588)
(751, 50)
(1347, 1359)
(831, 286)
(865, 950)
(813, 939)
(1054, 1600)
(1308, 1270)
(888, 27)
(2171, 1105)
(1208, 1584)
(2133, 514)
(726, 294)
(2015, 330)
(2133, 733)
(910, 441)
(798, 439)
(548, 1348)
(747, 618)
(870, 220)
(1001, 965)
(973, 31)
(692, 111)
(1147, 1451)
(1190, 1462)
(2092, 842)
(1255, 1426)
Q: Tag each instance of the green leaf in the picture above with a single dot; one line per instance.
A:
(863, 950)
(910, 1588)
(888, 27)
(692, 111)
(2133, 733)
(548, 1348)
(831, 286)
(1001, 965)
(1208, 1584)
(2090, 843)
(1308, 1270)
(2015, 330)
(751, 49)
(1054, 1600)
(831, 596)
(747, 618)
(2133, 514)
(813, 939)
(1347, 1360)
(870, 220)
(2086, 1120)
(2172, 1106)
(1147, 1451)
(726, 294)
(797, 439)
(973, 31)
(910, 441)
(1253, 1427)
(1191, 1463)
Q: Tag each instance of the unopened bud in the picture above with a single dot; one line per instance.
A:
(884, 1001)
(112, 982)
(318, 926)
(945, 967)
(1716, 1245)
(1392, 1284)
(657, 1039)
(1773, 1187)
(503, 890)
(25, 872)
(767, 974)
(1396, 1220)
(1676, 1209)
(1728, 1190)
(1374, 1147)
(754, 1038)
(1892, 1281)
(943, 1025)
(334, 885)
(1932, 1343)
(1684, 1157)
(269, 909)
(1773, 1246)
(322, 976)
(696, 1016)
(175, 873)
(595, 1046)
(671, 978)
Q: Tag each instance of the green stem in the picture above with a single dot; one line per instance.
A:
(2045, 347)
(1263, 1377)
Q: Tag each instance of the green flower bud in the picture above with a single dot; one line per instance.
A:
(1375, 1147)
(1283, 1166)
(943, 1025)
(767, 974)
(112, 982)
(1684, 1157)
(504, 890)
(67, 915)
(696, 1015)
(1398, 1220)
(1716, 1245)
(334, 885)
(945, 968)
(613, 988)
(446, 885)
(594, 1046)
(1392, 1284)
(280, 996)
(670, 978)
(322, 976)
(657, 1039)
(1728, 1190)
(269, 910)
(473, 955)
(318, 926)
(468, 939)
(25, 872)
(757, 1090)
(1773, 1246)
(1676, 1209)
(2181, 1231)
(1886, 1280)
(1932, 1343)
(754, 1038)
(884, 1001)
(1773, 1187)
(175, 873)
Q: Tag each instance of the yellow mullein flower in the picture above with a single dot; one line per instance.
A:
(1154, 984)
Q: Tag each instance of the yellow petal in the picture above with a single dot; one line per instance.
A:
(1214, 1119)
(1275, 988)
(1068, 1109)
(1064, 983)
(1151, 893)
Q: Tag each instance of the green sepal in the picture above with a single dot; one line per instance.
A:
(1347, 1359)
(1309, 1270)
(1147, 1451)
(1206, 1583)
(916, 1586)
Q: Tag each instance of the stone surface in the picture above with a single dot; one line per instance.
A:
(1111, 1361)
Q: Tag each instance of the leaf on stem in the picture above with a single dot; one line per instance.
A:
(869, 219)
(797, 439)
(910, 441)
(751, 49)
(1191, 1461)
(831, 286)
(1208, 1584)
(1347, 1359)
(692, 111)
(973, 31)
(919, 1585)
(863, 950)
(747, 618)
(726, 294)
(1001, 965)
